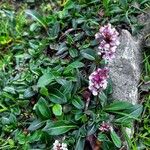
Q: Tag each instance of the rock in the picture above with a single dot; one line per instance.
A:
(144, 34)
(125, 69)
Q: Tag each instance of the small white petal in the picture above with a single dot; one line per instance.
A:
(105, 84)
(97, 35)
(106, 46)
(117, 42)
(64, 145)
(101, 29)
(97, 86)
(99, 53)
(90, 77)
(94, 93)
(113, 49)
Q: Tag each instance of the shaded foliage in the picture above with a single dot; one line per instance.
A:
(46, 58)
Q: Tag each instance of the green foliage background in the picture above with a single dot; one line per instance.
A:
(46, 56)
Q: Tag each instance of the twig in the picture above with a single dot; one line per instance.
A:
(68, 31)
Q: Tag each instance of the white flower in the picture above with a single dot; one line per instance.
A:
(59, 146)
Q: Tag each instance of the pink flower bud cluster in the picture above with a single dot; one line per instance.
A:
(108, 42)
(104, 127)
(98, 80)
(59, 146)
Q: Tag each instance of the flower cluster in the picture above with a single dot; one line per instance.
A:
(58, 146)
(108, 42)
(104, 127)
(98, 80)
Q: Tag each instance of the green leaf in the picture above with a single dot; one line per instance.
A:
(36, 124)
(55, 30)
(5, 120)
(67, 87)
(103, 98)
(57, 110)
(102, 137)
(88, 54)
(29, 93)
(78, 115)
(91, 130)
(67, 108)
(124, 3)
(74, 65)
(37, 17)
(45, 79)
(118, 105)
(21, 138)
(115, 138)
(128, 115)
(73, 52)
(34, 26)
(58, 128)
(5, 40)
(44, 91)
(57, 97)
(42, 107)
(68, 4)
(13, 118)
(9, 96)
(35, 136)
(10, 90)
(80, 144)
(109, 89)
(11, 143)
(106, 3)
(78, 103)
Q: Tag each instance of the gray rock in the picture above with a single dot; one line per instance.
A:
(144, 35)
(125, 69)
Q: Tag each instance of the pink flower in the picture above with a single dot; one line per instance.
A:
(108, 55)
(104, 127)
(108, 42)
(98, 80)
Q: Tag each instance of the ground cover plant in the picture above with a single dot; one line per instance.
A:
(142, 139)
(51, 56)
